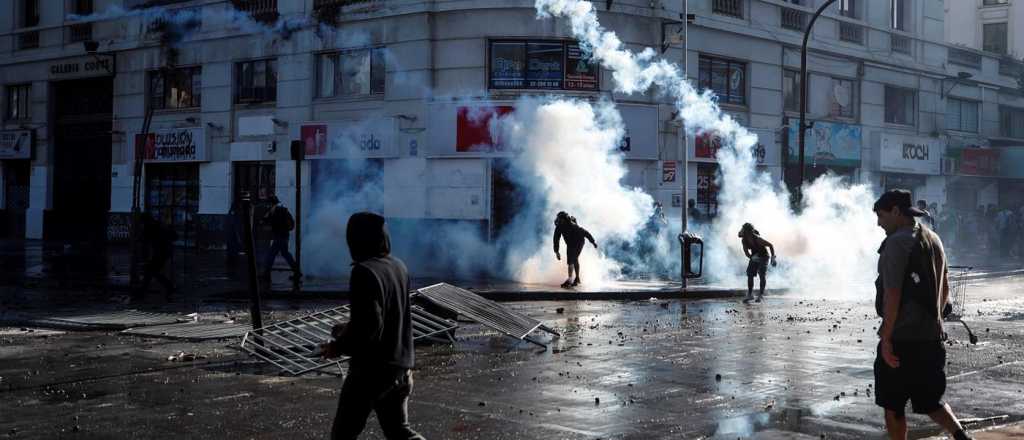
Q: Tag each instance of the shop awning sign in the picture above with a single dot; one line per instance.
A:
(370, 138)
(16, 144)
(827, 143)
(174, 145)
(911, 154)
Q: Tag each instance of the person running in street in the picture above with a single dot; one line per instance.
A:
(281, 225)
(565, 226)
(159, 241)
(378, 336)
(912, 291)
(756, 249)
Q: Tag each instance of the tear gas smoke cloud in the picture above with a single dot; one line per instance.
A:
(830, 243)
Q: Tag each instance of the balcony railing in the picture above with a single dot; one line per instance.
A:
(317, 4)
(900, 43)
(732, 8)
(964, 58)
(1010, 67)
(28, 40)
(79, 32)
(262, 10)
(793, 19)
(851, 33)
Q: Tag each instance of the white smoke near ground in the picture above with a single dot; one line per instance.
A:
(826, 248)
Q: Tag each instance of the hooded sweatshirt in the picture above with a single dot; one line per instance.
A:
(574, 236)
(379, 332)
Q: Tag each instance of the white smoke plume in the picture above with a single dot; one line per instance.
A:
(828, 246)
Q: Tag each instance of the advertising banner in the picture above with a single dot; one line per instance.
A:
(373, 138)
(979, 162)
(16, 144)
(174, 145)
(668, 171)
(580, 72)
(827, 143)
(911, 154)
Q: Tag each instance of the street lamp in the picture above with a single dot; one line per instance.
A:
(802, 128)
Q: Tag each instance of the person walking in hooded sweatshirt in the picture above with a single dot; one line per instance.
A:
(378, 336)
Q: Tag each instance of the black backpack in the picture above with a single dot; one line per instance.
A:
(919, 281)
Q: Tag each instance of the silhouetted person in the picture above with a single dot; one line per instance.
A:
(281, 225)
(159, 242)
(692, 213)
(928, 217)
(565, 226)
(756, 249)
(378, 336)
(912, 291)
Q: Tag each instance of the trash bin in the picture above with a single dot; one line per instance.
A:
(692, 249)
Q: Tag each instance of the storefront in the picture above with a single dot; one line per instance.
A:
(828, 147)
(912, 163)
(15, 167)
(971, 179)
(1011, 173)
(172, 159)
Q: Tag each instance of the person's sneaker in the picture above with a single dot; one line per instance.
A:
(759, 298)
(962, 435)
(747, 300)
(576, 282)
(567, 284)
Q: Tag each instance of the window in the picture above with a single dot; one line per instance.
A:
(175, 89)
(961, 115)
(172, 196)
(261, 10)
(901, 15)
(19, 102)
(791, 90)
(848, 8)
(900, 105)
(733, 8)
(793, 18)
(351, 73)
(29, 13)
(80, 31)
(726, 78)
(994, 37)
(256, 81)
(996, 2)
(1011, 122)
(539, 64)
(843, 98)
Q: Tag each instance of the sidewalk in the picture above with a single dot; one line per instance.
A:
(208, 274)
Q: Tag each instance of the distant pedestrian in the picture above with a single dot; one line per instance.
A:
(929, 216)
(378, 336)
(693, 214)
(756, 249)
(281, 225)
(159, 242)
(566, 226)
(912, 290)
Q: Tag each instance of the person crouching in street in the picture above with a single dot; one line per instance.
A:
(565, 226)
(378, 336)
(912, 291)
(756, 249)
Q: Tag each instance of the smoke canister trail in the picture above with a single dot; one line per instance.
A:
(832, 242)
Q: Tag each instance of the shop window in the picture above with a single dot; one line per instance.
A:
(724, 77)
(540, 64)
(843, 98)
(900, 15)
(175, 88)
(1011, 122)
(900, 105)
(351, 73)
(19, 102)
(791, 90)
(707, 188)
(29, 13)
(961, 115)
(994, 38)
(732, 8)
(255, 178)
(256, 81)
(172, 196)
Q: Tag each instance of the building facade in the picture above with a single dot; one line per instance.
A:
(389, 92)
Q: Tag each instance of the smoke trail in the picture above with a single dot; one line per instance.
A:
(833, 238)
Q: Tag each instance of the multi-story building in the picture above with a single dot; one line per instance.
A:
(383, 91)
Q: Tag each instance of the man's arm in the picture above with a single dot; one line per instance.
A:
(557, 238)
(746, 249)
(768, 245)
(945, 287)
(586, 234)
(366, 322)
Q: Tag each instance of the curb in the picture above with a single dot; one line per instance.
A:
(551, 295)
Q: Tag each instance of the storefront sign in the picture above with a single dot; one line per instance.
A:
(82, 67)
(827, 143)
(911, 154)
(372, 138)
(174, 145)
(706, 145)
(979, 162)
(16, 144)
(668, 171)
(473, 128)
(580, 72)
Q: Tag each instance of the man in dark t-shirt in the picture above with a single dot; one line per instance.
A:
(912, 291)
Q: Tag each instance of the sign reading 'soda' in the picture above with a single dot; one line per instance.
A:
(175, 145)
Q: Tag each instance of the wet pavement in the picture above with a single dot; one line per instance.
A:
(792, 367)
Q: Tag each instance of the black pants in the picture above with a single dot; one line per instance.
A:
(154, 269)
(382, 390)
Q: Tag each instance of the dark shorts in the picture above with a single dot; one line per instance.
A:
(572, 255)
(921, 377)
(757, 267)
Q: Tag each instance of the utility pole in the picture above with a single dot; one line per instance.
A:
(802, 128)
(684, 165)
(255, 313)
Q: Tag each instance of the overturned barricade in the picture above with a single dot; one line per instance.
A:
(294, 345)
